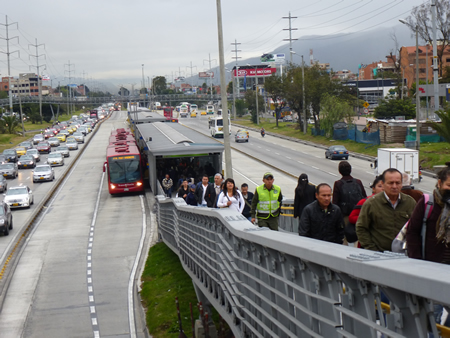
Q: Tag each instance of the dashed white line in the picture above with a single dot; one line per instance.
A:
(277, 153)
(332, 174)
(94, 321)
(90, 289)
(288, 158)
(92, 309)
(300, 162)
(315, 167)
(91, 299)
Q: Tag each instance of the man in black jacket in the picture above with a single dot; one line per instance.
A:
(321, 219)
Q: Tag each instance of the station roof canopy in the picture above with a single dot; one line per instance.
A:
(172, 139)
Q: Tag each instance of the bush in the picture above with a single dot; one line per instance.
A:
(396, 107)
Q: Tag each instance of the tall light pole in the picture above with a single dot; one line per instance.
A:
(417, 85)
(305, 124)
(256, 93)
(223, 92)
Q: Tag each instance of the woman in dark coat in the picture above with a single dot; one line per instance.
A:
(305, 194)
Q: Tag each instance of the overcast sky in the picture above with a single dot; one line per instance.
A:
(109, 40)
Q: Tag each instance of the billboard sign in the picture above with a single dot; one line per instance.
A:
(206, 74)
(277, 58)
(251, 72)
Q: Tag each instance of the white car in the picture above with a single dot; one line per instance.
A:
(72, 144)
(64, 150)
(35, 154)
(78, 136)
(19, 197)
(55, 158)
(43, 173)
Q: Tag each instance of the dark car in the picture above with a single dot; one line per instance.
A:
(6, 221)
(10, 155)
(26, 161)
(336, 152)
(44, 147)
(9, 170)
(3, 159)
(26, 144)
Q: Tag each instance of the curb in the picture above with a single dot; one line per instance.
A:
(316, 145)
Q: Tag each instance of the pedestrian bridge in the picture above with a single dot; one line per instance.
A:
(277, 284)
(170, 99)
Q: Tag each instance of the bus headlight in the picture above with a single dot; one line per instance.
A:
(113, 186)
(138, 184)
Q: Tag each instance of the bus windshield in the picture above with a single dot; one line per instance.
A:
(219, 122)
(124, 170)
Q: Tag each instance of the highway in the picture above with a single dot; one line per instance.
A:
(294, 158)
(76, 276)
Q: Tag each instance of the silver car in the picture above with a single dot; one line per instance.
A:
(26, 144)
(19, 197)
(82, 130)
(43, 173)
(64, 150)
(55, 159)
(78, 135)
(54, 141)
(9, 170)
(38, 138)
(72, 144)
(35, 153)
(3, 184)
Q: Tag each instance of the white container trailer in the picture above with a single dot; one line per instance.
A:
(403, 159)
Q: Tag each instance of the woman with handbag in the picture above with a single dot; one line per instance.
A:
(231, 197)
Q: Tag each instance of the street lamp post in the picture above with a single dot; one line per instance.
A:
(417, 85)
(256, 92)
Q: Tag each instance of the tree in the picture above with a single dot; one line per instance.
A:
(421, 17)
(393, 107)
(334, 109)
(250, 102)
(240, 107)
(3, 94)
(443, 128)
(446, 76)
(11, 123)
(230, 87)
(159, 85)
(123, 91)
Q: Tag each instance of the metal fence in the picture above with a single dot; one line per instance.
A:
(277, 284)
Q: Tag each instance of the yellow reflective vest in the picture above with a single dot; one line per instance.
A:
(268, 204)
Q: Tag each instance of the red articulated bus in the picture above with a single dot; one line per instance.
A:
(123, 164)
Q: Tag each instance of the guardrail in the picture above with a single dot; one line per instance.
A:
(277, 284)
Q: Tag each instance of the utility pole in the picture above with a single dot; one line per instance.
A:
(435, 59)
(305, 123)
(84, 84)
(210, 72)
(236, 57)
(69, 92)
(223, 92)
(37, 56)
(192, 83)
(143, 85)
(8, 53)
(290, 29)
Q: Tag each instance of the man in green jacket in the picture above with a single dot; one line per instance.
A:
(266, 203)
(383, 215)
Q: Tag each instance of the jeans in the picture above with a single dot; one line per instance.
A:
(168, 192)
(203, 205)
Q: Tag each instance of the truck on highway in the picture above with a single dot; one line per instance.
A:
(403, 159)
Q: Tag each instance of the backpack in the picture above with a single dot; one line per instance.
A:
(351, 194)
(399, 242)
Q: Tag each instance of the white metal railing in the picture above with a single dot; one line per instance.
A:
(277, 284)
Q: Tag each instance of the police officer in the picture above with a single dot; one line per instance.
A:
(266, 203)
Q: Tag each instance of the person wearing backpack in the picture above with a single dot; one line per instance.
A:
(347, 191)
(435, 233)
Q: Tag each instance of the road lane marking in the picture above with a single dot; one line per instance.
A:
(333, 174)
(315, 167)
(300, 162)
(288, 158)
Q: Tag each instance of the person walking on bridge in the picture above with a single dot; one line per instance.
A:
(167, 184)
(266, 203)
(322, 219)
(384, 215)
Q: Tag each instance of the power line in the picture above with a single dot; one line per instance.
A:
(8, 53)
(37, 56)
(290, 29)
